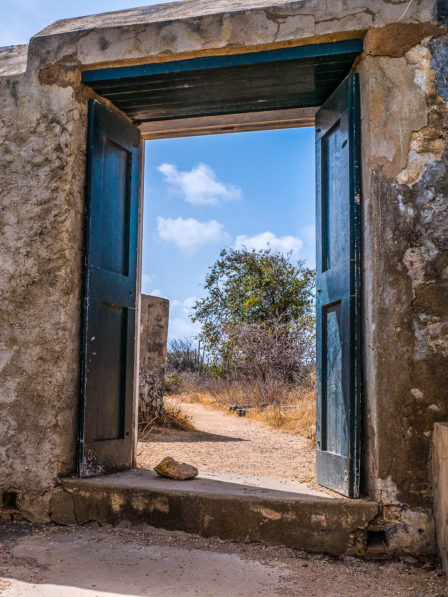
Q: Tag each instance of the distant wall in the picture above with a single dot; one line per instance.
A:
(440, 486)
(153, 337)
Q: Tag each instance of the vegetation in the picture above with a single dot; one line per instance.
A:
(295, 411)
(258, 340)
(262, 291)
(171, 417)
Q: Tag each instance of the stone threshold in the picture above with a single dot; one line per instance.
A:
(213, 508)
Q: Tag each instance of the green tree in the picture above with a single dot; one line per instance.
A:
(250, 287)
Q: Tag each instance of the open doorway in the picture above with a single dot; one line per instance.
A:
(256, 91)
(229, 239)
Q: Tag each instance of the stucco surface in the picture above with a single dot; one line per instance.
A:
(42, 139)
(13, 60)
(405, 211)
(206, 26)
(154, 315)
(403, 78)
(320, 12)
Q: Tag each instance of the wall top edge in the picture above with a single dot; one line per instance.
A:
(184, 29)
(13, 60)
(321, 10)
(177, 10)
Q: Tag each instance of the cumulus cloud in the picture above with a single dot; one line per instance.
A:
(179, 327)
(264, 240)
(189, 302)
(188, 233)
(199, 186)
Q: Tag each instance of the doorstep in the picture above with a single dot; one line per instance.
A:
(218, 508)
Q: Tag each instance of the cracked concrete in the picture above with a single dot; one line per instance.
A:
(91, 561)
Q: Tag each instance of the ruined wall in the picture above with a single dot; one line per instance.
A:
(154, 314)
(42, 144)
(42, 140)
(405, 214)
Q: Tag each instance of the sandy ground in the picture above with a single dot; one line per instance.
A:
(235, 447)
(87, 561)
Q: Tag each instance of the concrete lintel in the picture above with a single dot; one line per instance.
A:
(229, 123)
(207, 27)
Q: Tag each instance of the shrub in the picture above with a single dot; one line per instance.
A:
(173, 383)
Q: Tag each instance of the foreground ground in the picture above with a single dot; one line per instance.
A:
(235, 447)
(102, 562)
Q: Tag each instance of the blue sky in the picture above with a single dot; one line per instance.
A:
(21, 19)
(202, 193)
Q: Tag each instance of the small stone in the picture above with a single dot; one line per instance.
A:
(176, 470)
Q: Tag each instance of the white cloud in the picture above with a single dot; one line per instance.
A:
(155, 292)
(178, 327)
(199, 186)
(188, 234)
(189, 302)
(264, 240)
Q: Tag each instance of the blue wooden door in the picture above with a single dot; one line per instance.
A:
(338, 313)
(108, 326)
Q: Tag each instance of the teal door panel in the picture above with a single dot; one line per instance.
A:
(108, 321)
(338, 287)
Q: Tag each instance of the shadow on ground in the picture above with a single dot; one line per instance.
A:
(173, 435)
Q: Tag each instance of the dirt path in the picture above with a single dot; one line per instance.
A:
(239, 448)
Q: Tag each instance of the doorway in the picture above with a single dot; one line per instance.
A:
(251, 91)
(249, 198)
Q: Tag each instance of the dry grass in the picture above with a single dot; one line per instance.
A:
(301, 419)
(172, 418)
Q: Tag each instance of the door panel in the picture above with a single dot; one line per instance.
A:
(108, 341)
(338, 346)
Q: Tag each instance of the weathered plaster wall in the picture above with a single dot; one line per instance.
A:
(42, 132)
(196, 27)
(42, 141)
(154, 316)
(405, 179)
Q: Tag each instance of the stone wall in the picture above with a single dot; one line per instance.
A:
(42, 171)
(42, 145)
(154, 315)
(405, 281)
(440, 483)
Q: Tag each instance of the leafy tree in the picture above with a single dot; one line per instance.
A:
(251, 287)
